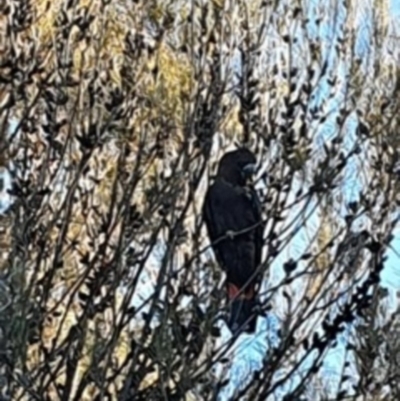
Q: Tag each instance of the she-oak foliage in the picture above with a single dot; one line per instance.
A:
(113, 115)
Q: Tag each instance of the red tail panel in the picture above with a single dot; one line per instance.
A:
(234, 292)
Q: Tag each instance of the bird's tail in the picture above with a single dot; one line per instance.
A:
(243, 309)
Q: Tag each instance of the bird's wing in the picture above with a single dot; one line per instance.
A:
(229, 209)
(215, 221)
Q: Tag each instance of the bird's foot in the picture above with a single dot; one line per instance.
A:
(230, 234)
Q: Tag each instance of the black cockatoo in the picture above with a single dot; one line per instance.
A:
(232, 213)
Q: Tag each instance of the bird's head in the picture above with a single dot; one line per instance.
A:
(238, 167)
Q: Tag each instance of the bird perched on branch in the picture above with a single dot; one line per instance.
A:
(232, 213)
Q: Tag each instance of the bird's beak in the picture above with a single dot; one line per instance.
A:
(249, 170)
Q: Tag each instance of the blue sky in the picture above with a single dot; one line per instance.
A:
(395, 9)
